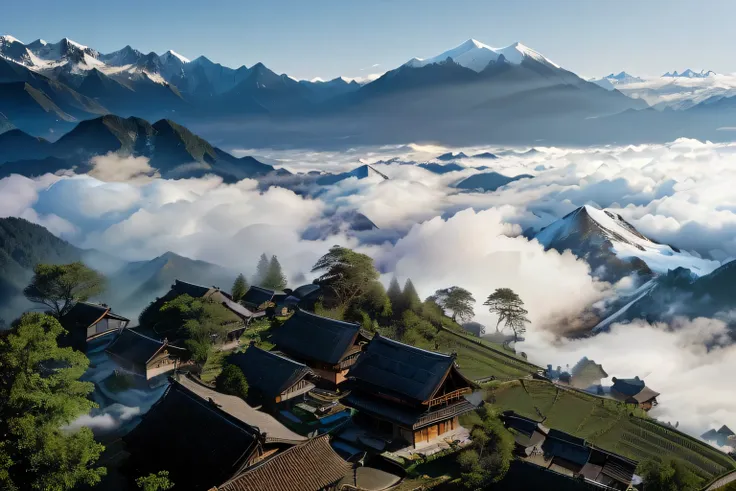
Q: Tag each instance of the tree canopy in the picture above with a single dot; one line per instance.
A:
(155, 482)
(509, 308)
(201, 322)
(59, 287)
(41, 392)
(410, 298)
(231, 380)
(490, 455)
(456, 300)
(261, 270)
(394, 294)
(239, 288)
(669, 475)
(346, 273)
(274, 278)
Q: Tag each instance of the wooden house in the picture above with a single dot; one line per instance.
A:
(202, 437)
(408, 393)
(328, 346)
(309, 466)
(634, 391)
(144, 356)
(88, 323)
(260, 299)
(274, 377)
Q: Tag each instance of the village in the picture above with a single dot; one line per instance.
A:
(262, 388)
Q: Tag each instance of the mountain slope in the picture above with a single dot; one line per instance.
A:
(614, 248)
(488, 181)
(173, 150)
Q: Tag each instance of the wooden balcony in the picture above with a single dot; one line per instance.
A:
(449, 397)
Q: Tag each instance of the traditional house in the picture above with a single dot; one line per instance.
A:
(568, 455)
(144, 356)
(587, 375)
(202, 438)
(273, 376)
(309, 466)
(216, 295)
(408, 393)
(328, 346)
(260, 299)
(634, 391)
(87, 323)
(306, 296)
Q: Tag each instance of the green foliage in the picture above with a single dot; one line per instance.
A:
(232, 381)
(410, 298)
(337, 312)
(346, 273)
(509, 307)
(261, 270)
(59, 287)
(394, 295)
(490, 455)
(411, 322)
(669, 475)
(456, 300)
(201, 322)
(41, 392)
(239, 288)
(274, 278)
(155, 482)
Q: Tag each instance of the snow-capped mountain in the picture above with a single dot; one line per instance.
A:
(615, 81)
(690, 74)
(614, 248)
(476, 56)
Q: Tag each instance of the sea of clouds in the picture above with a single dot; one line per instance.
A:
(679, 193)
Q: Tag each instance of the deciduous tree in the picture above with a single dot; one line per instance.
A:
(509, 308)
(668, 475)
(231, 380)
(456, 300)
(489, 458)
(346, 273)
(59, 287)
(155, 482)
(40, 393)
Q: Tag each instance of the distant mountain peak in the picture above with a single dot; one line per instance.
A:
(476, 56)
(688, 73)
(171, 54)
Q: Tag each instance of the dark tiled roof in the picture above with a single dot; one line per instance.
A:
(309, 466)
(134, 347)
(305, 290)
(588, 370)
(194, 291)
(238, 309)
(269, 373)
(85, 314)
(411, 372)
(567, 447)
(197, 443)
(312, 337)
(628, 386)
(257, 295)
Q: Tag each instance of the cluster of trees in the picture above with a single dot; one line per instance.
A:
(667, 475)
(490, 455)
(268, 275)
(59, 287)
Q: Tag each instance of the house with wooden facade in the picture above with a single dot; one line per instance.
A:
(568, 455)
(407, 393)
(262, 300)
(144, 356)
(634, 391)
(202, 438)
(88, 323)
(274, 377)
(328, 346)
(309, 466)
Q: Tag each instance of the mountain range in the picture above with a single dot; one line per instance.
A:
(130, 285)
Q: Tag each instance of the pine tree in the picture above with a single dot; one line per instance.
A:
(410, 298)
(261, 270)
(394, 295)
(239, 288)
(274, 279)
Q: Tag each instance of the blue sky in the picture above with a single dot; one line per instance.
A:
(327, 38)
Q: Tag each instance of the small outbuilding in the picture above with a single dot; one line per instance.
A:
(87, 323)
(144, 356)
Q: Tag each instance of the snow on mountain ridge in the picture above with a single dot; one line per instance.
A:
(627, 242)
(476, 56)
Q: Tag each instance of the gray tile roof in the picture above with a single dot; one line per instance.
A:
(269, 373)
(134, 347)
(312, 337)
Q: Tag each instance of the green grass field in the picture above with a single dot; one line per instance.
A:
(478, 359)
(608, 425)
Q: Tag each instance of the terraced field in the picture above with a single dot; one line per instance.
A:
(608, 425)
(478, 360)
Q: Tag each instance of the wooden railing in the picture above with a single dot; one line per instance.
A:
(450, 396)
